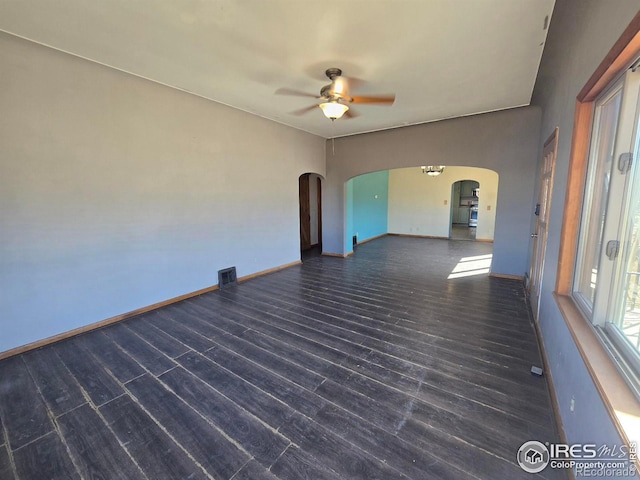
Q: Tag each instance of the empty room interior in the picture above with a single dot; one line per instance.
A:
(279, 239)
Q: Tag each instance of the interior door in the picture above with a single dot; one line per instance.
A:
(305, 212)
(540, 233)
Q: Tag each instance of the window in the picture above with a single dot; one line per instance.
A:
(606, 283)
(595, 202)
(582, 293)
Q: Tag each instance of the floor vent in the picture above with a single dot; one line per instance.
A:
(227, 276)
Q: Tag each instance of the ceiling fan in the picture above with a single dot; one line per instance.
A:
(336, 97)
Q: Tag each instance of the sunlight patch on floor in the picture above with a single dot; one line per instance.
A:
(470, 266)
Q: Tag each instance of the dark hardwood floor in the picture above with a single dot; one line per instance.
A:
(377, 366)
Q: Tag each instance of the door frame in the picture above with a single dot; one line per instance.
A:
(542, 214)
(305, 217)
(306, 202)
(451, 204)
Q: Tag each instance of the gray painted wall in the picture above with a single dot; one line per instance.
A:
(581, 33)
(506, 142)
(117, 193)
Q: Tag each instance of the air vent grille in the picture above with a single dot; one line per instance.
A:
(226, 277)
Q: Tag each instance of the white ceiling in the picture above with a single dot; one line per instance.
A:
(442, 58)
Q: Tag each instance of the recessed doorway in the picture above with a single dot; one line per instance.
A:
(465, 195)
(310, 198)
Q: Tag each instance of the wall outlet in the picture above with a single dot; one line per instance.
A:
(446, 202)
(572, 404)
(488, 207)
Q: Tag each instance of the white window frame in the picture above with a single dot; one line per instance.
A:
(611, 274)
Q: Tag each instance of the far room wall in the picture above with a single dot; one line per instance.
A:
(420, 204)
(505, 142)
(117, 193)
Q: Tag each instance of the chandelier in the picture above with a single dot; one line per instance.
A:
(433, 170)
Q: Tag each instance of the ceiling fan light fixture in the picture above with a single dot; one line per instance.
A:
(333, 110)
(433, 170)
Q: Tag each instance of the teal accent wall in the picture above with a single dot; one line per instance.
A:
(370, 205)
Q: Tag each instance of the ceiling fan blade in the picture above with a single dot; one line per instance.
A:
(304, 110)
(388, 99)
(341, 86)
(351, 113)
(295, 93)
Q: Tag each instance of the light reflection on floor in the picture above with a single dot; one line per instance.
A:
(470, 266)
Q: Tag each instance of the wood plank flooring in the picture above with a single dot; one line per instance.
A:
(377, 366)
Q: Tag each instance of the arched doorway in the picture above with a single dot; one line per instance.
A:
(310, 199)
(405, 201)
(464, 209)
